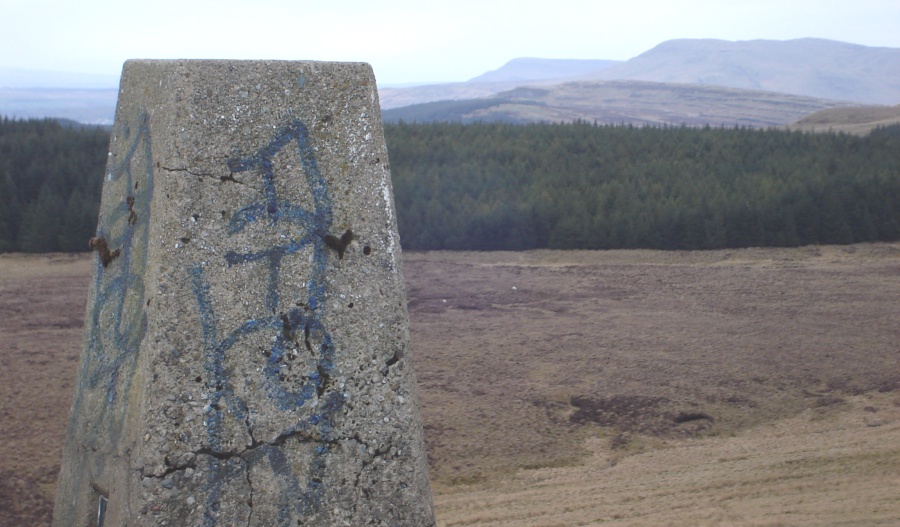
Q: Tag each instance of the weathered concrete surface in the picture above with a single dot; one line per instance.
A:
(243, 363)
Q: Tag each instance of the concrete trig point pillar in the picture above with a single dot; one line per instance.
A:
(246, 355)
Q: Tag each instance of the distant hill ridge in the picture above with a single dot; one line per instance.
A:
(758, 83)
(824, 73)
(810, 67)
(621, 102)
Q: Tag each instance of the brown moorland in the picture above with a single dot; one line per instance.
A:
(857, 120)
(560, 388)
(617, 102)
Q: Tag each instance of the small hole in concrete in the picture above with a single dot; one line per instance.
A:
(367, 250)
(199, 379)
(350, 305)
(185, 240)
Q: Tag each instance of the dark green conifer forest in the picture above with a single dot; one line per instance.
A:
(50, 181)
(581, 186)
(514, 187)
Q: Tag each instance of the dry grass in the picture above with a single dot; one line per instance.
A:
(756, 387)
(857, 120)
(823, 467)
(592, 362)
(42, 301)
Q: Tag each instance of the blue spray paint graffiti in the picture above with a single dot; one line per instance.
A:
(115, 333)
(300, 492)
(116, 322)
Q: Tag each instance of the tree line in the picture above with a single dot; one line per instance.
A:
(51, 175)
(494, 186)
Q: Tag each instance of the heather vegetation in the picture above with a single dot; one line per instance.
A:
(491, 186)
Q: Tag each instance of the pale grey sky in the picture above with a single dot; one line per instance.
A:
(410, 40)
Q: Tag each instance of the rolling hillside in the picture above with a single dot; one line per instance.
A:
(858, 120)
(810, 67)
(622, 102)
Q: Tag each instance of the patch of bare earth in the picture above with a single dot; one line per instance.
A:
(748, 387)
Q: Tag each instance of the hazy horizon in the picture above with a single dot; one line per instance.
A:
(34, 78)
(410, 42)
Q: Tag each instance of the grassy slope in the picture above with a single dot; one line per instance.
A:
(856, 120)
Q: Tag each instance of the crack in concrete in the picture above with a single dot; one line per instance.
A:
(248, 467)
(377, 453)
(245, 456)
(250, 499)
(249, 428)
(229, 177)
(302, 435)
